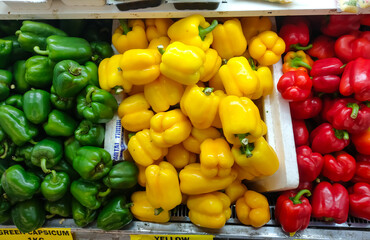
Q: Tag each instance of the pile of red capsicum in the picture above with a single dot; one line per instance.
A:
(326, 79)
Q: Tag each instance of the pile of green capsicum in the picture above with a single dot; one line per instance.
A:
(52, 116)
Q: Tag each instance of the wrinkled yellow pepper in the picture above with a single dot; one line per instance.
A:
(134, 112)
(266, 82)
(235, 190)
(193, 182)
(157, 27)
(253, 209)
(228, 39)
(252, 26)
(144, 211)
(179, 157)
(193, 30)
(256, 159)
(215, 158)
(162, 186)
(182, 63)
(130, 35)
(267, 48)
(169, 128)
(155, 42)
(163, 93)
(211, 65)
(210, 210)
(197, 136)
(143, 150)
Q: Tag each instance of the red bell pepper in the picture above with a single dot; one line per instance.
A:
(356, 79)
(295, 85)
(326, 139)
(325, 75)
(362, 142)
(339, 167)
(306, 109)
(338, 25)
(309, 163)
(327, 101)
(293, 211)
(362, 173)
(359, 200)
(362, 157)
(351, 46)
(365, 20)
(300, 132)
(330, 202)
(295, 34)
(322, 47)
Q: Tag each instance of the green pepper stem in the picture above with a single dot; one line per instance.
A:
(297, 198)
(130, 135)
(6, 147)
(367, 103)
(50, 216)
(300, 63)
(158, 211)
(54, 178)
(204, 31)
(208, 90)
(17, 33)
(251, 62)
(32, 142)
(75, 71)
(341, 134)
(355, 108)
(88, 95)
(160, 49)
(328, 219)
(84, 129)
(43, 166)
(343, 66)
(41, 52)
(299, 47)
(95, 57)
(124, 26)
(104, 194)
(118, 89)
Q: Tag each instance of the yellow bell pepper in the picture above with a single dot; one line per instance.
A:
(197, 136)
(136, 89)
(240, 120)
(216, 82)
(211, 65)
(179, 157)
(193, 181)
(134, 112)
(169, 128)
(157, 27)
(193, 30)
(210, 210)
(215, 158)
(110, 75)
(192, 63)
(162, 186)
(130, 35)
(143, 150)
(144, 211)
(252, 26)
(228, 39)
(196, 101)
(266, 82)
(141, 179)
(267, 48)
(163, 93)
(256, 159)
(235, 190)
(253, 209)
(155, 42)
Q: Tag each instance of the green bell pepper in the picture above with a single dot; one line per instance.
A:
(60, 124)
(5, 207)
(96, 105)
(36, 105)
(71, 146)
(18, 53)
(98, 30)
(91, 134)
(115, 215)
(7, 149)
(123, 175)
(9, 27)
(16, 126)
(2, 134)
(90, 194)
(64, 166)
(101, 50)
(6, 47)
(39, 72)
(82, 215)
(61, 207)
(92, 68)
(66, 48)
(70, 78)
(23, 153)
(47, 153)
(15, 100)
(19, 184)
(6, 78)
(92, 163)
(33, 34)
(19, 74)
(73, 27)
(28, 215)
(61, 103)
(55, 185)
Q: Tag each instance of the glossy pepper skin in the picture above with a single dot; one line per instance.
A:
(15, 100)
(59, 123)
(29, 215)
(267, 48)
(19, 70)
(6, 78)
(299, 60)
(236, 190)
(193, 30)
(192, 58)
(325, 75)
(130, 35)
(88, 133)
(61, 103)
(197, 136)
(300, 132)
(39, 71)
(308, 108)
(143, 210)
(359, 200)
(339, 167)
(295, 85)
(352, 46)
(336, 25)
(253, 209)
(322, 47)
(82, 215)
(293, 211)
(211, 65)
(252, 26)
(92, 163)
(15, 124)
(61, 207)
(55, 185)
(296, 35)
(17, 52)
(122, 175)
(309, 163)
(355, 80)
(100, 50)
(47, 153)
(228, 39)
(330, 202)
(66, 48)
(36, 105)
(210, 210)
(135, 113)
(23, 153)
(157, 27)
(362, 142)
(326, 139)
(179, 157)
(6, 47)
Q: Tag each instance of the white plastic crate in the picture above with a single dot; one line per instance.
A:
(28, 4)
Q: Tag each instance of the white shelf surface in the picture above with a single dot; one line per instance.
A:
(228, 8)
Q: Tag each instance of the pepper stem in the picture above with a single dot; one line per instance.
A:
(158, 211)
(124, 26)
(297, 198)
(355, 108)
(118, 89)
(54, 178)
(299, 47)
(300, 63)
(204, 31)
(160, 49)
(130, 135)
(88, 95)
(39, 51)
(251, 62)
(43, 166)
(49, 216)
(208, 90)
(84, 129)
(341, 134)
(246, 147)
(6, 147)
(75, 71)
(104, 194)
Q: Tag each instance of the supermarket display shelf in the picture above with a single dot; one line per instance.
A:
(227, 8)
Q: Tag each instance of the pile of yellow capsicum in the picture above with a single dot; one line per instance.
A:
(196, 133)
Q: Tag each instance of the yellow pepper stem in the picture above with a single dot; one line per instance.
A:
(204, 31)
(246, 147)
(124, 25)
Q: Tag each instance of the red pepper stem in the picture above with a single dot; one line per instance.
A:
(208, 90)
(341, 134)
(355, 108)
(160, 49)
(124, 26)
(43, 166)
(204, 31)
(299, 47)
(297, 198)
(39, 51)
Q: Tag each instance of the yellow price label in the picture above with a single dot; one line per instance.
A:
(171, 237)
(39, 234)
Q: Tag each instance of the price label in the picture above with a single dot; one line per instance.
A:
(39, 234)
(171, 237)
